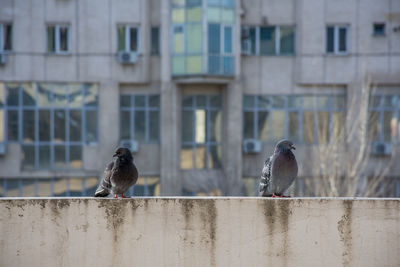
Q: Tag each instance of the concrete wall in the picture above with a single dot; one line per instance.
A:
(200, 232)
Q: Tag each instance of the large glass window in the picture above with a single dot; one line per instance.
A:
(300, 118)
(5, 37)
(201, 132)
(336, 39)
(52, 122)
(155, 40)
(268, 40)
(128, 38)
(140, 118)
(202, 37)
(383, 118)
(58, 39)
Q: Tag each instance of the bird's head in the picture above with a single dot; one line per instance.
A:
(284, 146)
(123, 154)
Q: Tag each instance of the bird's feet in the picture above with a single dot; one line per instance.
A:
(274, 195)
(122, 196)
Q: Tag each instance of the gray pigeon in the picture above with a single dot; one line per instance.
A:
(119, 175)
(279, 171)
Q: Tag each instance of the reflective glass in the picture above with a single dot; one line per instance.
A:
(75, 125)
(342, 39)
(294, 101)
(155, 40)
(178, 65)
(373, 125)
(154, 101)
(228, 65)
(154, 123)
(214, 38)
(13, 187)
(186, 157)
(28, 126)
(214, 14)
(64, 38)
(200, 127)
(193, 14)
(215, 126)
(201, 100)
(187, 126)
(75, 157)
(44, 157)
(60, 187)
(125, 100)
(91, 126)
(214, 157)
(323, 127)
(330, 32)
(278, 101)
(263, 125)
(59, 157)
(193, 64)
(338, 126)
(60, 92)
(294, 126)
(91, 92)
(215, 101)
(75, 95)
(125, 125)
(178, 40)
(2, 93)
(308, 127)
(59, 125)
(187, 101)
(287, 40)
(44, 187)
(214, 64)
(248, 126)
(200, 157)
(133, 34)
(389, 126)
(44, 95)
(13, 125)
(28, 188)
(51, 39)
(44, 125)
(121, 38)
(278, 125)
(140, 126)
(140, 101)
(227, 15)
(28, 157)
(267, 40)
(2, 125)
(7, 37)
(248, 101)
(28, 94)
(374, 101)
(75, 186)
(193, 38)
(12, 94)
(178, 15)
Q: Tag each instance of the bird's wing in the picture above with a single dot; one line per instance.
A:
(105, 185)
(265, 175)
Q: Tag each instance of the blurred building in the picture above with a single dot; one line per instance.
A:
(200, 90)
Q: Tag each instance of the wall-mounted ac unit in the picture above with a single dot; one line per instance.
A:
(133, 145)
(252, 146)
(127, 57)
(381, 149)
(2, 149)
(3, 59)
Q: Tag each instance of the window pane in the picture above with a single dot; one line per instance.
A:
(215, 126)
(216, 101)
(389, 126)
(201, 100)
(63, 38)
(75, 157)
(75, 95)
(75, 187)
(140, 126)
(75, 125)
(12, 188)
(389, 101)
(323, 127)
(263, 125)
(278, 125)
(140, 101)
(330, 33)
(134, 39)
(214, 157)
(200, 128)
(28, 126)
(44, 125)
(248, 125)
(44, 188)
(193, 64)
(342, 40)
(12, 94)
(2, 125)
(193, 38)
(287, 40)
(338, 126)
(91, 92)
(125, 100)
(51, 40)
(44, 95)
(125, 125)
(60, 187)
(214, 64)
(187, 126)
(186, 157)
(28, 187)
(59, 125)
(200, 157)
(178, 39)
(373, 125)
(228, 65)
(91, 126)
(154, 125)
(28, 94)
(227, 15)
(59, 157)
(187, 101)
(155, 40)
(44, 157)
(267, 40)
(375, 101)
(13, 125)
(308, 127)
(294, 126)
(178, 15)
(294, 101)
(2, 93)
(60, 95)
(193, 14)
(278, 101)
(28, 157)
(339, 102)
(248, 101)
(214, 38)
(7, 38)
(154, 101)
(214, 14)
(178, 65)
(121, 38)
(263, 102)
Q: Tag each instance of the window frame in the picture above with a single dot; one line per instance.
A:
(127, 38)
(2, 41)
(336, 41)
(57, 37)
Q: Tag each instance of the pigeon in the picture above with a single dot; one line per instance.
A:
(279, 171)
(119, 175)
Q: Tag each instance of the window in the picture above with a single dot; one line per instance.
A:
(383, 118)
(128, 39)
(268, 40)
(379, 29)
(140, 118)
(337, 39)
(5, 37)
(220, 59)
(302, 119)
(52, 122)
(201, 132)
(155, 40)
(58, 39)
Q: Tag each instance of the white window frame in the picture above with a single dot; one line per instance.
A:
(2, 37)
(128, 37)
(336, 29)
(57, 39)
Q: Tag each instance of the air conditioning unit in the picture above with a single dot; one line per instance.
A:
(381, 149)
(127, 57)
(133, 145)
(246, 47)
(251, 146)
(3, 59)
(2, 149)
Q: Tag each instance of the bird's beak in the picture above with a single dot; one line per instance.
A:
(292, 147)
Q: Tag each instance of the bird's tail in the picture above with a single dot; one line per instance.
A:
(103, 190)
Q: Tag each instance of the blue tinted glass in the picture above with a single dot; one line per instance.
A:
(228, 40)
(329, 39)
(214, 64)
(342, 39)
(214, 38)
(228, 65)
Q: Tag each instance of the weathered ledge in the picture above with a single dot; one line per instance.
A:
(222, 231)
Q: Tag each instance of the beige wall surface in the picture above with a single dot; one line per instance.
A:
(199, 232)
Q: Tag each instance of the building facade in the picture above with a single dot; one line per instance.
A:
(200, 90)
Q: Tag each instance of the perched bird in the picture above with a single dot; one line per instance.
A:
(279, 171)
(119, 175)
